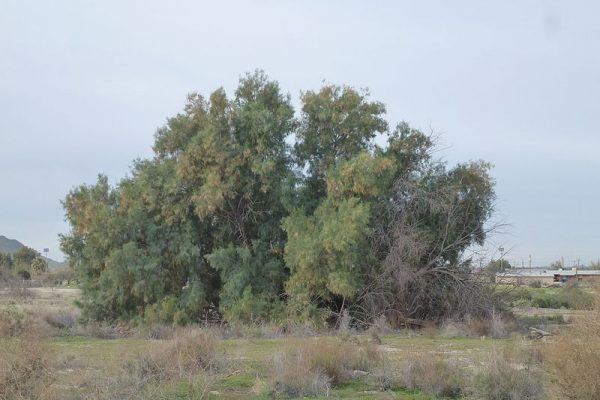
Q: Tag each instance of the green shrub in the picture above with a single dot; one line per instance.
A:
(567, 297)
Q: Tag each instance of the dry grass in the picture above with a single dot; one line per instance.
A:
(190, 353)
(508, 378)
(24, 370)
(310, 367)
(574, 357)
(496, 326)
(184, 367)
(431, 374)
(12, 321)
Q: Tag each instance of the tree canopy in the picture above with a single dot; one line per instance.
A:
(264, 213)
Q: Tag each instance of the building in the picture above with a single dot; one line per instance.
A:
(546, 277)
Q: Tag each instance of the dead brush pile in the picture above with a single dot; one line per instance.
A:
(24, 369)
(310, 367)
(573, 357)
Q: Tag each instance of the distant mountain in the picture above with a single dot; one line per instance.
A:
(11, 246)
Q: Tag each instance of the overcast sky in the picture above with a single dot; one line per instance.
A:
(84, 85)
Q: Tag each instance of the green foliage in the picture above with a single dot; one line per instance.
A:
(25, 256)
(556, 264)
(570, 297)
(38, 265)
(6, 261)
(27, 259)
(252, 278)
(250, 209)
(496, 266)
(327, 252)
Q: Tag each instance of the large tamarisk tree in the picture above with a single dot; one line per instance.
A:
(200, 223)
(259, 213)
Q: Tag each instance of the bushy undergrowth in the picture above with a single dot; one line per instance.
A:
(569, 296)
(310, 367)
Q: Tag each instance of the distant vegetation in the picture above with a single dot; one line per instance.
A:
(24, 262)
(9, 247)
(257, 212)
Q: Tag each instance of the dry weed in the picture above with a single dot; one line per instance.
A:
(309, 367)
(508, 378)
(190, 353)
(431, 374)
(24, 372)
(573, 357)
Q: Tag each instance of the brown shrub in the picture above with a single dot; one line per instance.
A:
(430, 374)
(574, 358)
(13, 321)
(99, 330)
(24, 372)
(63, 320)
(309, 367)
(189, 353)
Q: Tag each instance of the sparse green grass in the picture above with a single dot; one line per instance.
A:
(92, 368)
(250, 363)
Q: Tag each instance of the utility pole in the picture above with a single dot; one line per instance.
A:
(46, 251)
(501, 249)
(530, 262)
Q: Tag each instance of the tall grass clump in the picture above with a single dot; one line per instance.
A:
(310, 367)
(190, 353)
(430, 374)
(506, 378)
(573, 357)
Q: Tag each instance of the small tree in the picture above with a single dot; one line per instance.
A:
(38, 266)
(24, 257)
(6, 261)
(496, 266)
(556, 264)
